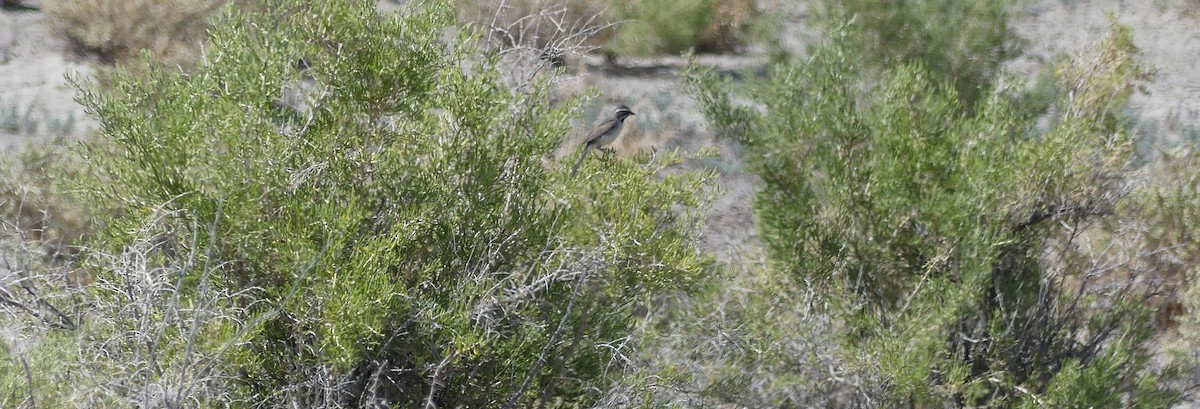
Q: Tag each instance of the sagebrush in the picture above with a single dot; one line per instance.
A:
(948, 230)
(384, 206)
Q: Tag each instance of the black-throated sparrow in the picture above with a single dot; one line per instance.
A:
(604, 134)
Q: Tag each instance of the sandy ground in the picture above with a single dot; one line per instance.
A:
(1166, 31)
(36, 100)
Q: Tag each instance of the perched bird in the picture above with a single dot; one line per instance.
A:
(604, 134)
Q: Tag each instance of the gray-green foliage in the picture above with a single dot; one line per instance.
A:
(962, 42)
(398, 234)
(653, 27)
(945, 230)
(1171, 209)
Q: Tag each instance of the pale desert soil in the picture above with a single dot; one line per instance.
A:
(34, 65)
(1166, 31)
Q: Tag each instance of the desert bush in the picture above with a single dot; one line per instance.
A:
(545, 26)
(947, 231)
(392, 216)
(530, 38)
(159, 327)
(554, 29)
(1168, 207)
(672, 27)
(148, 334)
(964, 42)
(41, 224)
(742, 344)
(36, 202)
(15, 119)
(117, 30)
(36, 303)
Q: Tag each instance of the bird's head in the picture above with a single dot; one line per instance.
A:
(623, 112)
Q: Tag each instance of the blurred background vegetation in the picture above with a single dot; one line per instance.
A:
(286, 203)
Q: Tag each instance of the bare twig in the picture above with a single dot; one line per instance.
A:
(550, 344)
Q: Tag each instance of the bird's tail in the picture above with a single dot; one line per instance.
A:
(580, 162)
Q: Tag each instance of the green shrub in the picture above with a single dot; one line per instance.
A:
(1170, 210)
(385, 207)
(129, 338)
(629, 28)
(35, 201)
(672, 27)
(34, 370)
(946, 230)
(756, 339)
(962, 42)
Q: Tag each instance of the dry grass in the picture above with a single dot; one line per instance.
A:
(117, 30)
(747, 346)
(533, 36)
(731, 18)
(560, 29)
(656, 27)
(1190, 8)
(140, 335)
(1163, 229)
(1172, 219)
(34, 200)
(539, 24)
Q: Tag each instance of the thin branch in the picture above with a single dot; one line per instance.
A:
(537, 367)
